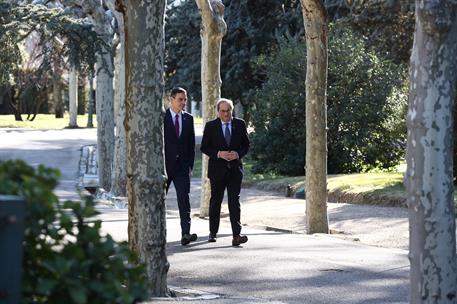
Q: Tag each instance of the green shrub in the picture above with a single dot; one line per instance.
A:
(66, 259)
(279, 138)
(366, 104)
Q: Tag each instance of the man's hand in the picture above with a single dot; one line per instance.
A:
(233, 155)
(224, 155)
(228, 155)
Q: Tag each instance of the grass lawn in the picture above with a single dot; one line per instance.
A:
(366, 183)
(43, 121)
(382, 188)
(48, 121)
(377, 183)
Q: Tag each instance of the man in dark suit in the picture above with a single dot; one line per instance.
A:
(179, 138)
(225, 140)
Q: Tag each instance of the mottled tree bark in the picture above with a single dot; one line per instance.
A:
(73, 97)
(212, 30)
(119, 175)
(104, 88)
(316, 28)
(146, 179)
(429, 155)
(104, 94)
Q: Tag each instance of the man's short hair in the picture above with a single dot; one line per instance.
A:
(177, 90)
(224, 100)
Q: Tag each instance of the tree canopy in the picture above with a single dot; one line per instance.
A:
(253, 28)
(74, 36)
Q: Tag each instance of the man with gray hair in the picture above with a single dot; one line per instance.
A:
(225, 141)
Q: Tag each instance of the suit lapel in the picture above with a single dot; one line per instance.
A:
(234, 129)
(171, 124)
(184, 123)
(219, 129)
(169, 119)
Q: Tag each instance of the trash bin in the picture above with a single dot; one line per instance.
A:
(12, 209)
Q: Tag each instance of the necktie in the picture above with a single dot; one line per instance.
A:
(227, 134)
(177, 125)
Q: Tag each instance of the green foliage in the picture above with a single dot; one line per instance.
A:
(366, 103)
(182, 28)
(278, 141)
(253, 28)
(388, 25)
(59, 33)
(367, 99)
(10, 57)
(66, 260)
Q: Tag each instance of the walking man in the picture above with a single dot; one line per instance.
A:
(179, 136)
(225, 141)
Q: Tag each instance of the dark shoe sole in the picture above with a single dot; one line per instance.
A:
(240, 240)
(211, 239)
(186, 239)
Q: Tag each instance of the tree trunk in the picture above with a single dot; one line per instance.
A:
(90, 111)
(119, 177)
(146, 179)
(212, 30)
(104, 94)
(73, 97)
(316, 28)
(429, 154)
(15, 104)
(57, 97)
(82, 97)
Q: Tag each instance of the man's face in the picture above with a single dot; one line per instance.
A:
(178, 103)
(225, 113)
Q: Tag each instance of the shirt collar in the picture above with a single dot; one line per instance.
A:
(223, 122)
(173, 114)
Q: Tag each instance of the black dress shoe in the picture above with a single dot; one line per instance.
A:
(212, 238)
(187, 238)
(239, 239)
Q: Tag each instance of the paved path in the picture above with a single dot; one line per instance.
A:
(275, 266)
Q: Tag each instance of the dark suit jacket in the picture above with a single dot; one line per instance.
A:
(182, 148)
(213, 141)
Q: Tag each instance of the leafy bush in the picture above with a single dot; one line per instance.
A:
(366, 102)
(66, 260)
(279, 138)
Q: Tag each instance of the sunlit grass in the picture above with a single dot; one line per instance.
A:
(379, 183)
(198, 120)
(43, 121)
(376, 182)
(370, 183)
